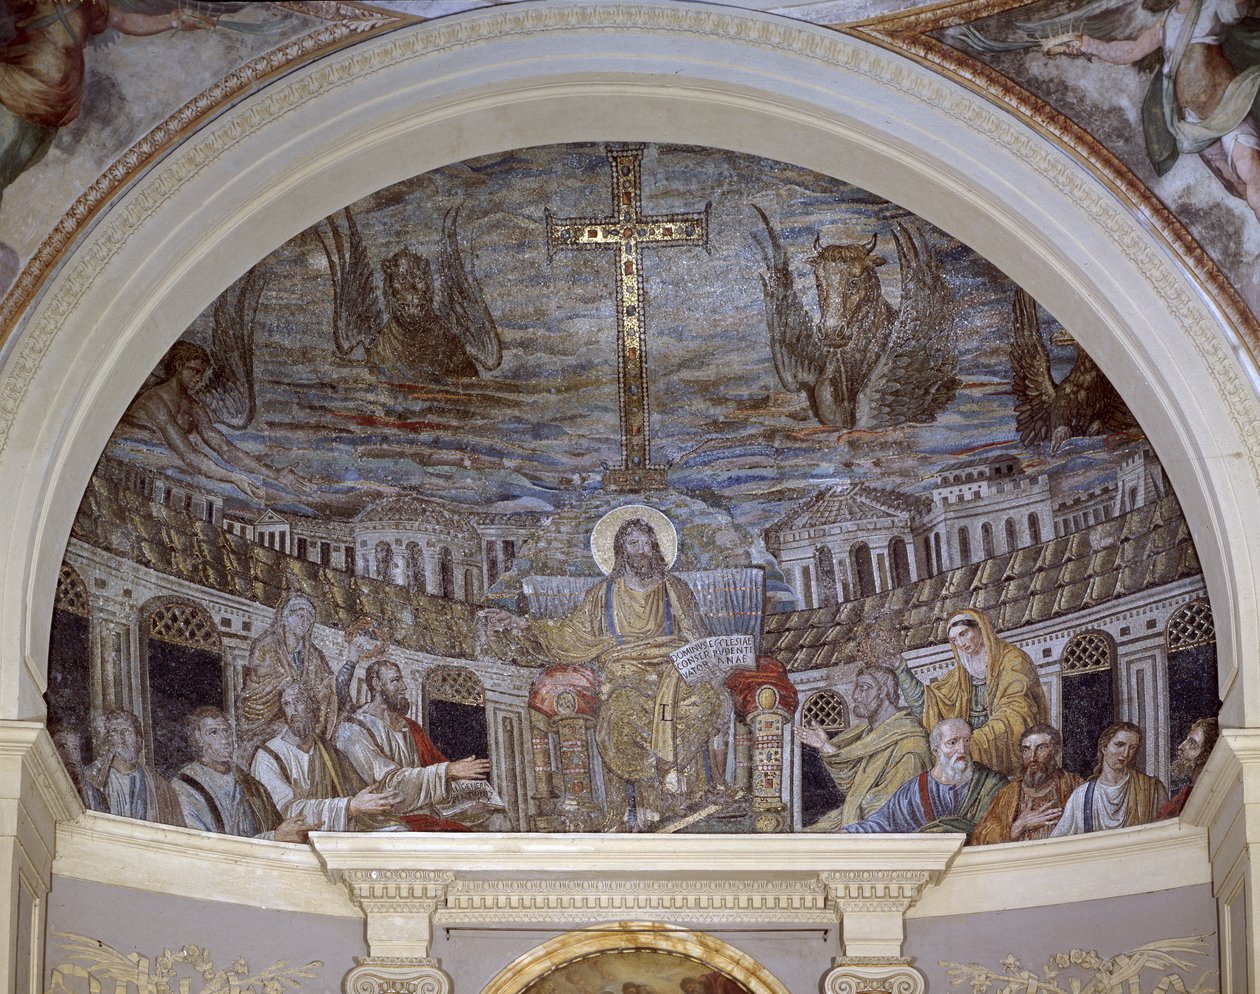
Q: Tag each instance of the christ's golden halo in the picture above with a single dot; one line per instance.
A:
(605, 531)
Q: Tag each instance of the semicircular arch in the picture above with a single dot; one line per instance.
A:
(309, 143)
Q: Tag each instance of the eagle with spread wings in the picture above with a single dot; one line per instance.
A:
(418, 331)
(1082, 405)
(864, 363)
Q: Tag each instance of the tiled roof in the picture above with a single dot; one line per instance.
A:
(172, 542)
(1146, 548)
(843, 502)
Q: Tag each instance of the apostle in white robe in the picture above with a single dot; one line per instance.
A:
(121, 783)
(387, 748)
(306, 779)
(1117, 795)
(218, 796)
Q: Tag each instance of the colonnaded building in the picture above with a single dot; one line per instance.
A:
(827, 510)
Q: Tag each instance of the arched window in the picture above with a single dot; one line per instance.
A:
(470, 587)
(863, 570)
(492, 562)
(1034, 530)
(986, 540)
(936, 548)
(447, 572)
(900, 559)
(964, 546)
(183, 669)
(819, 793)
(1192, 687)
(1088, 692)
(1012, 537)
(384, 561)
(826, 708)
(69, 654)
(455, 711)
(825, 568)
(415, 568)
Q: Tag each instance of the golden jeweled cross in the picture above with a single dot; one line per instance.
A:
(628, 231)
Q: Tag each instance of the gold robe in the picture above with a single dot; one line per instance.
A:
(870, 764)
(995, 826)
(652, 727)
(1013, 695)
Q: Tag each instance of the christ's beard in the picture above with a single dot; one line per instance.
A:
(644, 566)
(953, 772)
(1038, 774)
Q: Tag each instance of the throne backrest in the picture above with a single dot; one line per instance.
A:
(732, 599)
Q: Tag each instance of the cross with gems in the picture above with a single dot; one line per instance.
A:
(628, 231)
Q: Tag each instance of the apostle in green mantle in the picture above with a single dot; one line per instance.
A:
(870, 761)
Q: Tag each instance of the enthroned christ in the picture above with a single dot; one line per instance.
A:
(653, 728)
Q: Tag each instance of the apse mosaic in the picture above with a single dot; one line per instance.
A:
(625, 488)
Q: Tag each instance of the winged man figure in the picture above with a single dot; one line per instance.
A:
(864, 363)
(195, 390)
(1083, 404)
(419, 331)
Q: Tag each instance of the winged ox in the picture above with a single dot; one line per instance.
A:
(414, 328)
(864, 363)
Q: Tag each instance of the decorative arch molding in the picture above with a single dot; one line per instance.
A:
(487, 82)
(709, 953)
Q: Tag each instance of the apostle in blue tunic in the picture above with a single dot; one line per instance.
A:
(951, 797)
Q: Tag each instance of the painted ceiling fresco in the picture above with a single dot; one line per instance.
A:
(611, 487)
(1155, 98)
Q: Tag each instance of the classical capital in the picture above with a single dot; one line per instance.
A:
(398, 907)
(871, 905)
(873, 975)
(395, 975)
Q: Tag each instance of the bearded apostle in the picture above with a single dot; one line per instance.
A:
(870, 761)
(387, 748)
(1030, 806)
(1192, 756)
(951, 797)
(993, 687)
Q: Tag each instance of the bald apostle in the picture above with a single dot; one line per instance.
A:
(870, 761)
(951, 797)
(993, 687)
